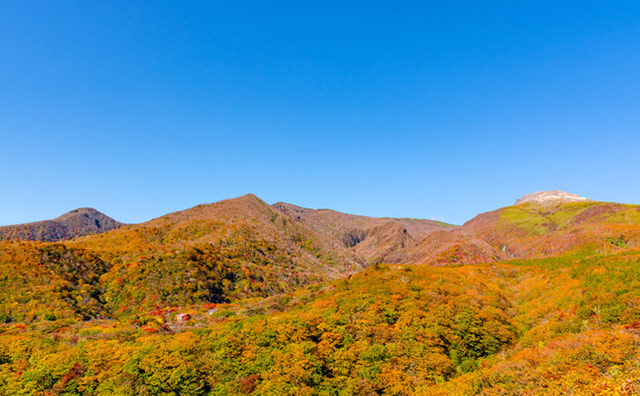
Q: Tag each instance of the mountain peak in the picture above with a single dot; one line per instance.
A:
(80, 212)
(249, 198)
(78, 222)
(545, 197)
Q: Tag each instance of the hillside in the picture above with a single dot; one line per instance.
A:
(539, 225)
(211, 253)
(547, 327)
(241, 297)
(531, 230)
(373, 239)
(78, 222)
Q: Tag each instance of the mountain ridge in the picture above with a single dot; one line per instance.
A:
(77, 222)
(373, 238)
(239, 297)
(550, 196)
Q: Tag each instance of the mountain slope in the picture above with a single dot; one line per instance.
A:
(243, 247)
(241, 297)
(212, 253)
(530, 230)
(555, 326)
(539, 225)
(78, 222)
(373, 239)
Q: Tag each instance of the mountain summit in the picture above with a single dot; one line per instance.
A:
(78, 222)
(544, 197)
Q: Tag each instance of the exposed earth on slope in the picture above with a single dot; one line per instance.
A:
(545, 197)
(374, 239)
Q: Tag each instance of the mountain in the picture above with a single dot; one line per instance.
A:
(245, 248)
(539, 225)
(547, 197)
(242, 297)
(225, 251)
(556, 326)
(373, 239)
(78, 222)
(542, 228)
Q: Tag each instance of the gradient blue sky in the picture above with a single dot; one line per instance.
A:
(377, 108)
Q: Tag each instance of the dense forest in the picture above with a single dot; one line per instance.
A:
(239, 297)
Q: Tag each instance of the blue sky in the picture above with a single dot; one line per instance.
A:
(378, 108)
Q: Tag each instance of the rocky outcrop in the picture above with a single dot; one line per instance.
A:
(545, 197)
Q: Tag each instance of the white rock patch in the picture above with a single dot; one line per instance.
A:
(544, 197)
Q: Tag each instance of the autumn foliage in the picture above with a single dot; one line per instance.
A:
(266, 314)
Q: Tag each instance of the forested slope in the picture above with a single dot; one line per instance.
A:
(78, 222)
(238, 297)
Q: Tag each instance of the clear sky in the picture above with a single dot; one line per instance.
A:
(427, 109)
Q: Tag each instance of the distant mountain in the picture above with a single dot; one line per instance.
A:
(546, 197)
(211, 253)
(539, 225)
(245, 248)
(78, 222)
(373, 239)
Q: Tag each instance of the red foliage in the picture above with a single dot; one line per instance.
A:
(248, 384)
(632, 325)
(76, 371)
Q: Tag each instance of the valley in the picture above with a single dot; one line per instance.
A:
(243, 297)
